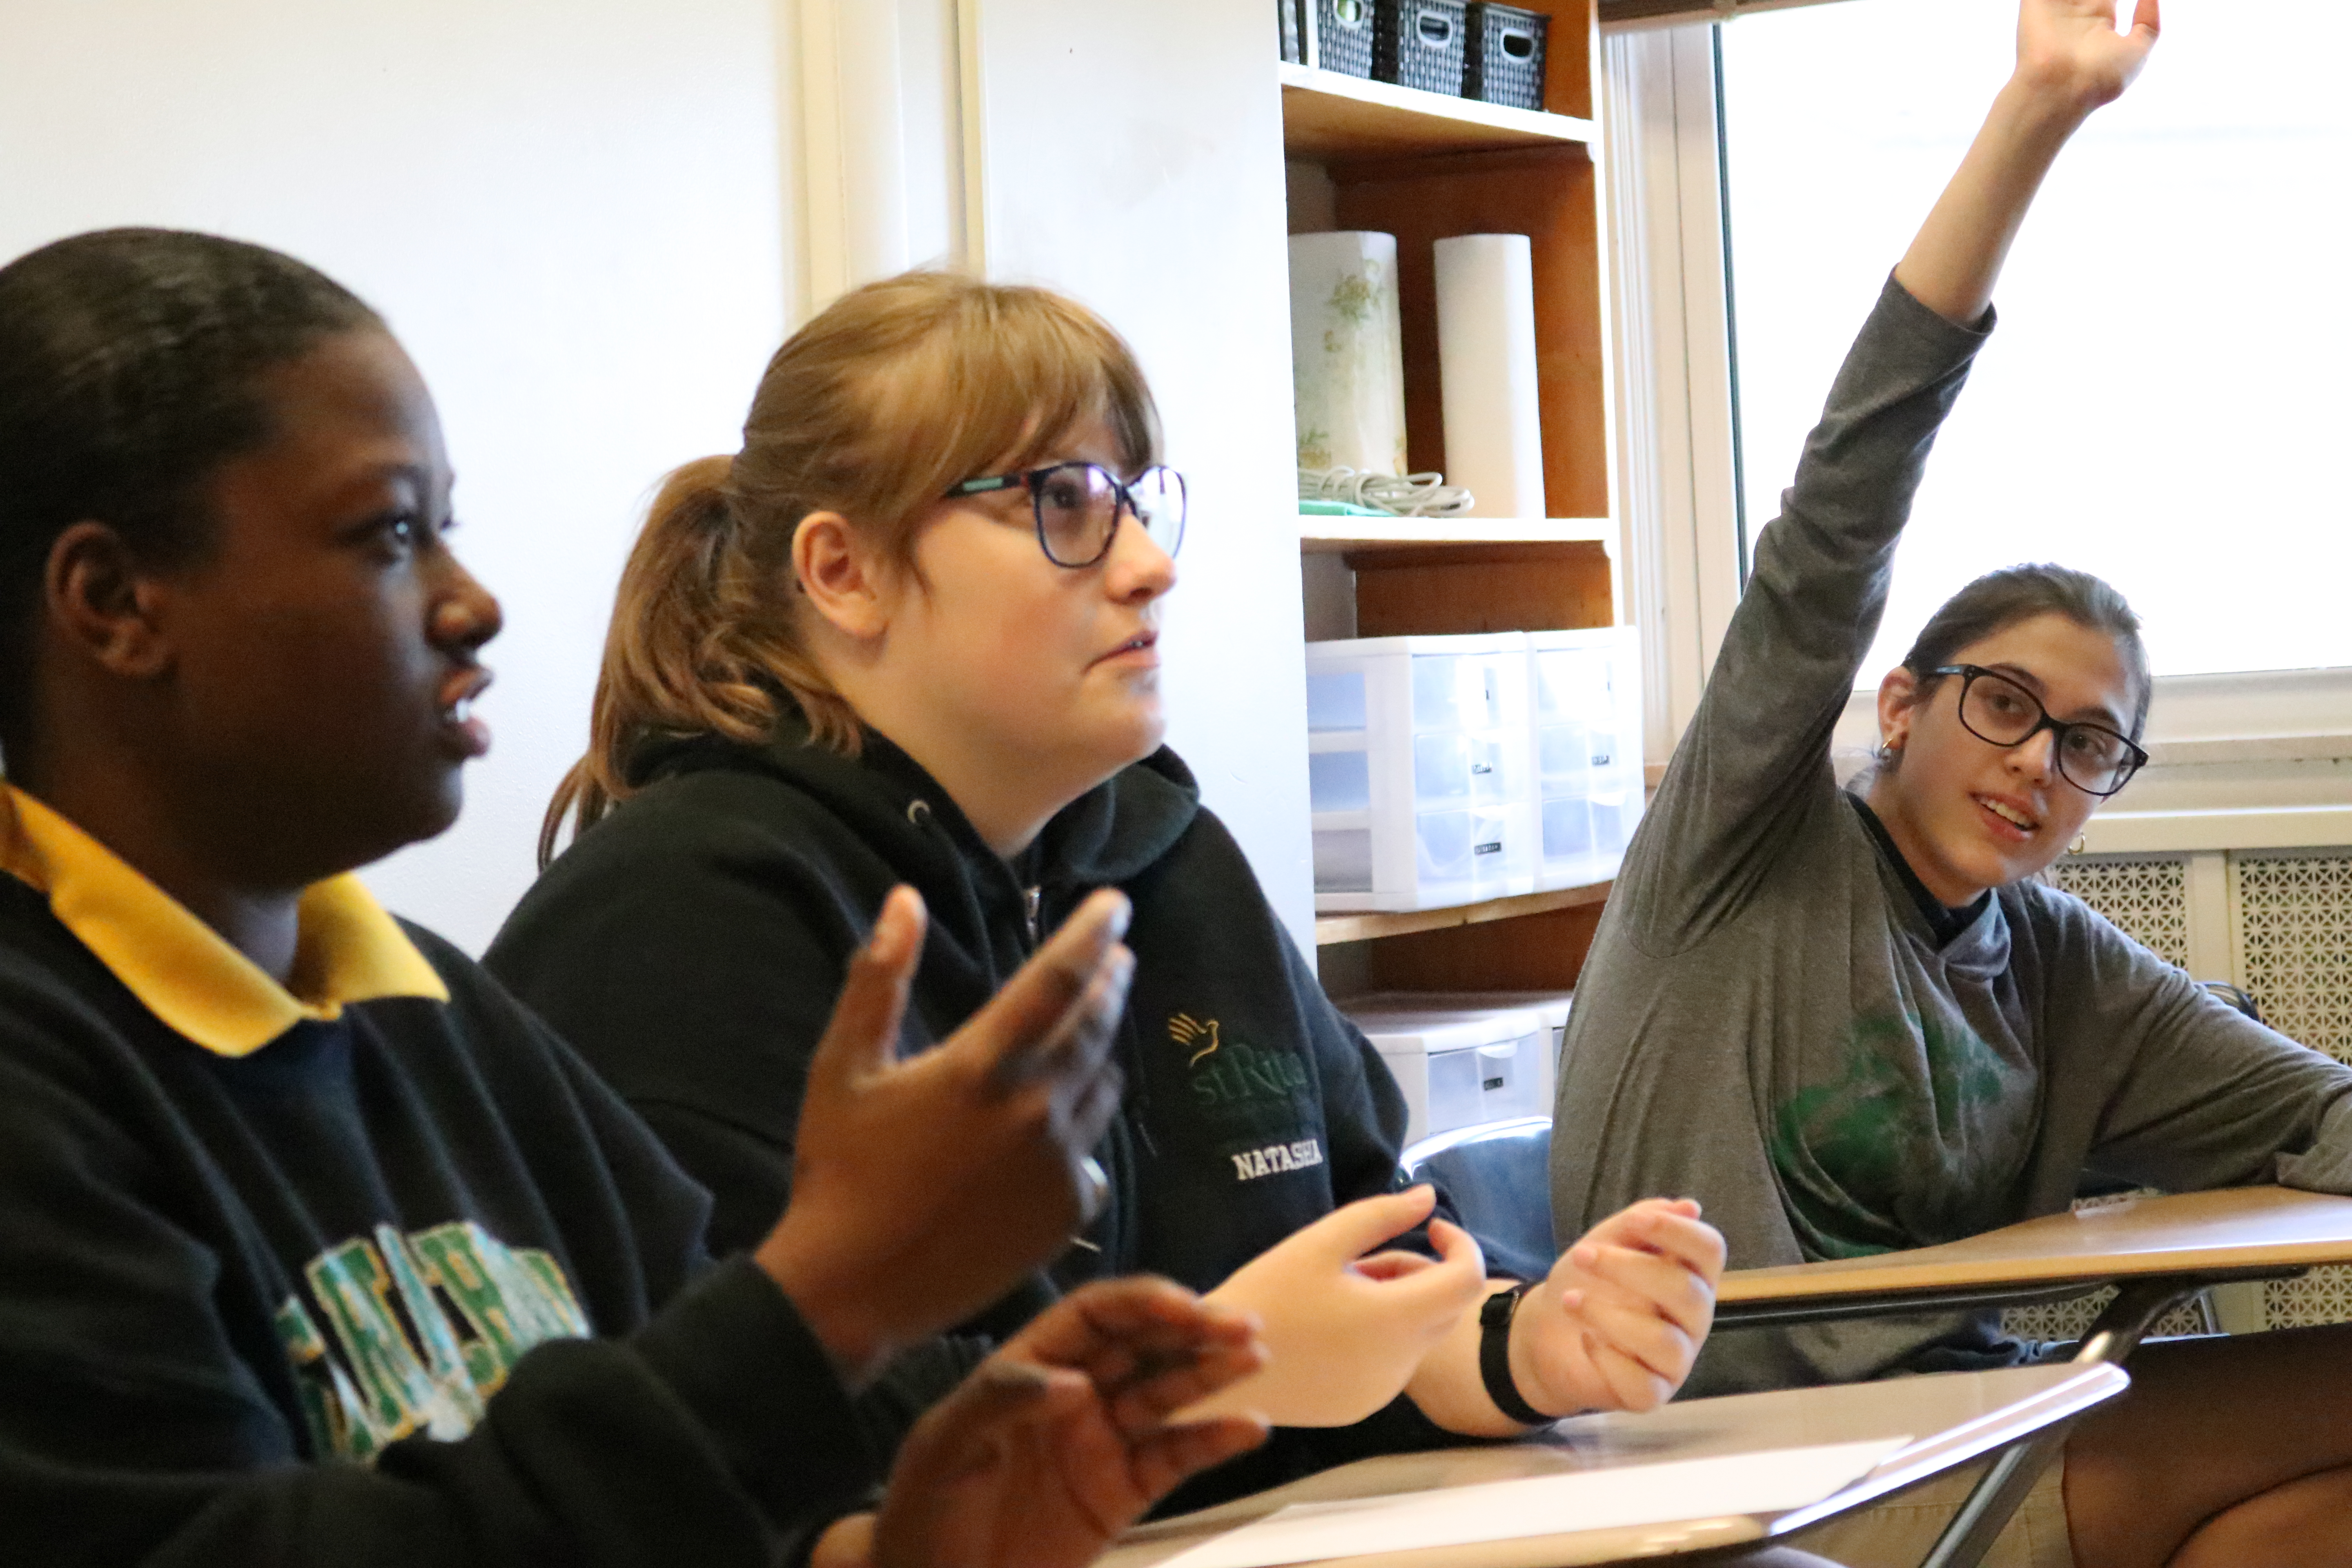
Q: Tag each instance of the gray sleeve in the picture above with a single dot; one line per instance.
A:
(2196, 1094)
(1756, 758)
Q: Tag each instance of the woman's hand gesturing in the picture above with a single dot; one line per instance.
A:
(923, 1190)
(1345, 1333)
(1619, 1321)
(1061, 1440)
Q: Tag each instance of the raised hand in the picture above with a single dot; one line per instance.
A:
(2072, 48)
(1619, 1321)
(2070, 60)
(1064, 1437)
(923, 1190)
(1345, 1333)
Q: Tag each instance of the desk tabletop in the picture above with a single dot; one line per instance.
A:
(1950, 1419)
(2231, 1230)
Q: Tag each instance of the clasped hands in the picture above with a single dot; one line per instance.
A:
(1615, 1325)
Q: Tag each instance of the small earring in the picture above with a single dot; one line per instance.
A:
(2081, 842)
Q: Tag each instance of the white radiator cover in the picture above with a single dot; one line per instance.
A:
(2277, 924)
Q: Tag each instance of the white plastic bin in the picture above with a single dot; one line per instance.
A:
(1550, 1006)
(1418, 771)
(1462, 1066)
(1585, 750)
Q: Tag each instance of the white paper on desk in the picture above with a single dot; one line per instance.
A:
(1633, 1495)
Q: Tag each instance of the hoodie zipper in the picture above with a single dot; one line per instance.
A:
(1031, 900)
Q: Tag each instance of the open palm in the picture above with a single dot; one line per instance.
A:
(2073, 44)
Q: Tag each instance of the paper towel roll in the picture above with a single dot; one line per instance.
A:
(1486, 370)
(1347, 352)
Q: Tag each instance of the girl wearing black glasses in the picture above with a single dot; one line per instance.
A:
(1857, 1022)
(909, 636)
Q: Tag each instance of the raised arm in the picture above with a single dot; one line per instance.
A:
(2070, 61)
(1756, 760)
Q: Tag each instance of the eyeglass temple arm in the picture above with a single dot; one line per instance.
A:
(981, 487)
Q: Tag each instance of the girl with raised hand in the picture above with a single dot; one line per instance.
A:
(315, 1246)
(1853, 1023)
(909, 634)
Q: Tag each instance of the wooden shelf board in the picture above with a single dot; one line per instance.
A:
(1328, 116)
(1330, 535)
(1329, 929)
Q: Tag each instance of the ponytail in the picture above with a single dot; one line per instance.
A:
(698, 645)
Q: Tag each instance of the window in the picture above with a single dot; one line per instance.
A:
(2172, 383)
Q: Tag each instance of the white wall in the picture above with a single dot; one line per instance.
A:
(572, 213)
(1130, 154)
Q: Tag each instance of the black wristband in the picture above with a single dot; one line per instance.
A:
(1494, 1358)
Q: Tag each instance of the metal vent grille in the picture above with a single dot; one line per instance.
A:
(2148, 898)
(2294, 932)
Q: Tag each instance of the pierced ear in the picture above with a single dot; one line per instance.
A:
(840, 576)
(98, 602)
(1898, 699)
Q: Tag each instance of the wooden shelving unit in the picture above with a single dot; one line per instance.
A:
(1330, 929)
(1332, 536)
(1329, 116)
(1423, 167)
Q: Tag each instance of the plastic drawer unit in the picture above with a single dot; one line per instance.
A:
(1418, 768)
(1552, 1006)
(1460, 1068)
(1586, 741)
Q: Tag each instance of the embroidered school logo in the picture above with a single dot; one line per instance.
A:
(1276, 1158)
(1250, 1093)
(421, 1330)
(1188, 1032)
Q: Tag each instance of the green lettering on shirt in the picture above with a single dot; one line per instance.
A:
(349, 1283)
(393, 1361)
(331, 1405)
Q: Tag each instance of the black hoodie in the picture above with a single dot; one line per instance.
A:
(692, 944)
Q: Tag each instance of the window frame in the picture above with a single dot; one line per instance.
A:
(2252, 759)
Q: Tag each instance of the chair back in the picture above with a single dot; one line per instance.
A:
(1498, 1175)
(2234, 997)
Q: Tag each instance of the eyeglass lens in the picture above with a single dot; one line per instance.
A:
(2092, 757)
(1078, 505)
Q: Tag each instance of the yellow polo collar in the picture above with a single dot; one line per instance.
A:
(348, 949)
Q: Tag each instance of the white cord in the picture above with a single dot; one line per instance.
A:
(1408, 495)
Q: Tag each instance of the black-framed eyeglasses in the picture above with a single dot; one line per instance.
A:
(1078, 505)
(2094, 758)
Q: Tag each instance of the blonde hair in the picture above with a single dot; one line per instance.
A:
(891, 394)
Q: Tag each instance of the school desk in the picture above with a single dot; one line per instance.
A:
(1941, 1421)
(2159, 1251)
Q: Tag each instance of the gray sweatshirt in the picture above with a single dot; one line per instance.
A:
(1768, 1023)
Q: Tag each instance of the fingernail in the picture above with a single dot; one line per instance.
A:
(1116, 919)
(889, 934)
